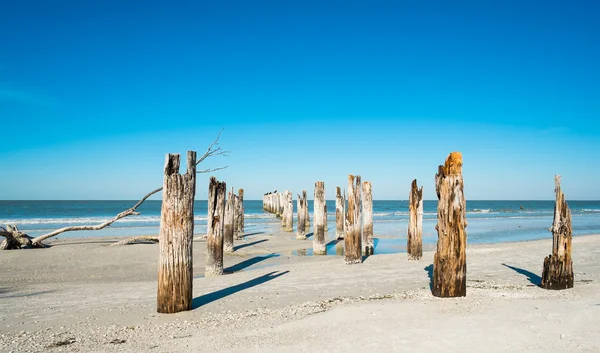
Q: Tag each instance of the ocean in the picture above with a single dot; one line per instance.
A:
(488, 221)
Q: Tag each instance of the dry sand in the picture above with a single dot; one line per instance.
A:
(83, 296)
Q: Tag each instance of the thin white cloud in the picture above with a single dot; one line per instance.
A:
(8, 94)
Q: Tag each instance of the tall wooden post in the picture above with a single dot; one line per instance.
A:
(228, 223)
(352, 238)
(277, 205)
(240, 215)
(306, 214)
(319, 208)
(339, 214)
(301, 229)
(175, 270)
(558, 267)
(414, 245)
(367, 209)
(450, 259)
(215, 225)
(288, 212)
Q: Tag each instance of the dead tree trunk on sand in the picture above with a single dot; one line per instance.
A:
(288, 212)
(228, 224)
(301, 205)
(352, 238)
(414, 244)
(176, 236)
(558, 267)
(319, 209)
(450, 259)
(339, 214)
(240, 215)
(367, 209)
(215, 225)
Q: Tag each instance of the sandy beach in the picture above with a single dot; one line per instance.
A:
(81, 295)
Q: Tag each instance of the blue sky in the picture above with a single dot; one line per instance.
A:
(94, 93)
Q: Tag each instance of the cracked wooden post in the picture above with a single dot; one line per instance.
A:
(307, 213)
(301, 205)
(558, 267)
(175, 270)
(278, 205)
(450, 259)
(214, 224)
(352, 238)
(414, 244)
(367, 209)
(240, 215)
(288, 212)
(228, 223)
(339, 214)
(319, 228)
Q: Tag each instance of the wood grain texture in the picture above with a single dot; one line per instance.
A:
(367, 221)
(215, 226)
(450, 259)
(414, 246)
(558, 266)
(319, 218)
(352, 238)
(176, 236)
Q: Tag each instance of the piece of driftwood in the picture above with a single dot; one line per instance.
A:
(228, 223)
(414, 246)
(450, 259)
(339, 214)
(215, 225)
(558, 266)
(15, 239)
(319, 228)
(175, 270)
(352, 238)
(367, 222)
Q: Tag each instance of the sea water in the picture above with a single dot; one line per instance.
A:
(488, 221)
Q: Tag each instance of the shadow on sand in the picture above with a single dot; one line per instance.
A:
(532, 277)
(249, 244)
(429, 270)
(308, 235)
(255, 233)
(247, 263)
(211, 297)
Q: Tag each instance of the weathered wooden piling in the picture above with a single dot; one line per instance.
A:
(307, 213)
(352, 238)
(215, 225)
(450, 259)
(277, 205)
(240, 215)
(558, 266)
(175, 270)
(319, 218)
(367, 223)
(228, 223)
(302, 208)
(414, 244)
(288, 212)
(339, 214)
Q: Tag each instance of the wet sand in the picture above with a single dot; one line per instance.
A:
(82, 295)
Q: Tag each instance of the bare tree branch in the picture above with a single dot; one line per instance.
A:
(138, 239)
(123, 214)
(16, 239)
(210, 152)
(211, 170)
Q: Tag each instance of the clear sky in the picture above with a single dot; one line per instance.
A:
(94, 93)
